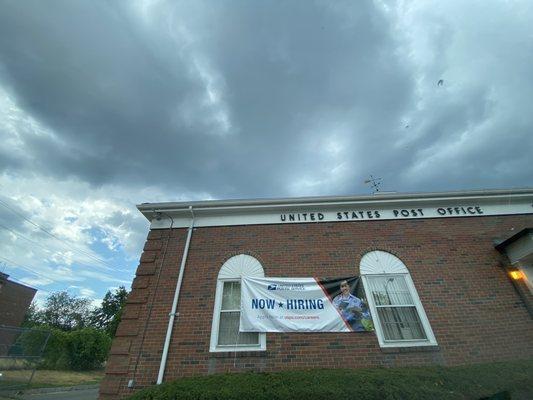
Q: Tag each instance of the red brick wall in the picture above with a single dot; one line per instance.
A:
(14, 302)
(474, 310)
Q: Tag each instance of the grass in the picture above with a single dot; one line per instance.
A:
(435, 383)
(47, 378)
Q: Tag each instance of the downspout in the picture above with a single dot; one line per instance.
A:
(175, 302)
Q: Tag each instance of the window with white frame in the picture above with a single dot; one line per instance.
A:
(399, 318)
(225, 335)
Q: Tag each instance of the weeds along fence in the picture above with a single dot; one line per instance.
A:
(21, 350)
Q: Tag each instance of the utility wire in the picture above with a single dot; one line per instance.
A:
(3, 203)
(48, 251)
(72, 247)
(24, 237)
(12, 278)
(29, 269)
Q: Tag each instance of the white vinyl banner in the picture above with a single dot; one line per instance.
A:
(301, 305)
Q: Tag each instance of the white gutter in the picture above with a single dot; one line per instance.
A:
(261, 205)
(175, 302)
(335, 200)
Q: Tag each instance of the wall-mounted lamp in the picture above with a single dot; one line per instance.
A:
(515, 274)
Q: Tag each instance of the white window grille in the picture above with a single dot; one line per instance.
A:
(225, 335)
(399, 318)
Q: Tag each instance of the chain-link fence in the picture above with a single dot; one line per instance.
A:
(21, 350)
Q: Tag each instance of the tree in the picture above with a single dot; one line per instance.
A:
(65, 312)
(80, 337)
(87, 348)
(32, 316)
(107, 317)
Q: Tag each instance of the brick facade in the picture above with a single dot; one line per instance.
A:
(475, 311)
(15, 299)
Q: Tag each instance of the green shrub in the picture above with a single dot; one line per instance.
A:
(28, 343)
(468, 382)
(56, 354)
(87, 348)
(78, 350)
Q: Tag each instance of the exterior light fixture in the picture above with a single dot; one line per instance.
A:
(516, 274)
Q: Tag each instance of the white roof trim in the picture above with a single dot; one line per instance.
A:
(331, 209)
(316, 200)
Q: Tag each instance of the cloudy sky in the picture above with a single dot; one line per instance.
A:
(107, 104)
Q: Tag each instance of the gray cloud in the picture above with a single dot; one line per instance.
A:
(107, 104)
(270, 99)
(230, 101)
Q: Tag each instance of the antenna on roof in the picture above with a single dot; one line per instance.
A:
(374, 183)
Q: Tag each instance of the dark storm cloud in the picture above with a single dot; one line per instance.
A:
(126, 98)
(259, 98)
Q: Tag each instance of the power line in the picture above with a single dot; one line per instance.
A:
(71, 247)
(29, 269)
(12, 278)
(24, 237)
(3, 203)
(48, 251)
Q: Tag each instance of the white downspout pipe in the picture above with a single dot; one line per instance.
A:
(175, 302)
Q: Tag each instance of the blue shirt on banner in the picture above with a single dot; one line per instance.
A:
(352, 310)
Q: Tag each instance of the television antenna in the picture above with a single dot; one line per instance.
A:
(375, 183)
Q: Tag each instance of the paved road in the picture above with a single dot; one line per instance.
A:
(85, 393)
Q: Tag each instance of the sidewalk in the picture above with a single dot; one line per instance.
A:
(81, 392)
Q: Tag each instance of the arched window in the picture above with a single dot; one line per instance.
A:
(399, 317)
(225, 335)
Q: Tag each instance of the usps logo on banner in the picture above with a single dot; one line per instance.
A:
(304, 305)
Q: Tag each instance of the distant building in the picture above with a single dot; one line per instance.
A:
(15, 299)
(448, 280)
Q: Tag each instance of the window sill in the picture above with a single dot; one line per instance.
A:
(238, 354)
(411, 349)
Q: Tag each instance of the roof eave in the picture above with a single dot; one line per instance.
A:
(148, 209)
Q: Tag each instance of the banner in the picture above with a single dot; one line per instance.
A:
(304, 305)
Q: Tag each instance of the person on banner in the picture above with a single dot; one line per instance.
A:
(354, 310)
